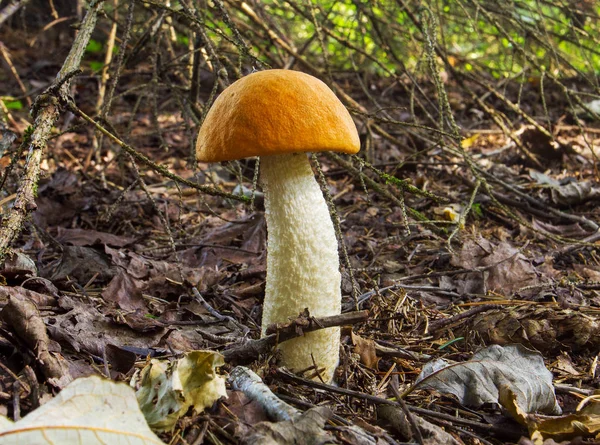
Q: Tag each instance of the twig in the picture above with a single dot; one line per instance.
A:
(411, 419)
(245, 380)
(10, 9)
(286, 375)
(439, 324)
(47, 110)
(6, 56)
(434, 289)
(154, 166)
(249, 351)
(216, 314)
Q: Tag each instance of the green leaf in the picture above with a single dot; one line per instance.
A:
(94, 46)
(13, 104)
(183, 39)
(96, 66)
(477, 210)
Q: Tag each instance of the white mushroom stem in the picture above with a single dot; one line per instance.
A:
(302, 260)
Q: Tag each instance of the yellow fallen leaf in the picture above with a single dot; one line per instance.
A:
(468, 142)
(168, 389)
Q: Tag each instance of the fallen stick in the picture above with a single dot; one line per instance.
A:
(245, 380)
(250, 350)
(46, 111)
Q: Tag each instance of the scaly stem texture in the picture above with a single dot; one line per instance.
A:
(302, 260)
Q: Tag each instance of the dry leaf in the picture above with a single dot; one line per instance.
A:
(89, 411)
(168, 389)
(583, 423)
(575, 193)
(478, 380)
(306, 429)
(365, 348)
(23, 316)
(86, 237)
(506, 269)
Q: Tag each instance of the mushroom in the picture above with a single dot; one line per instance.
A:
(280, 115)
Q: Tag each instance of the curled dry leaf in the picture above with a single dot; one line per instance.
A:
(567, 192)
(365, 348)
(305, 429)
(87, 237)
(575, 193)
(82, 264)
(37, 298)
(168, 389)
(584, 423)
(17, 264)
(23, 316)
(88, 411)
(478, 380)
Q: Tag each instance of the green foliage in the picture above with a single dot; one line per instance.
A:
(94, 47)
(96, 66)
(476, 210)
(13, 104)
(27, 133)
(502, 38)
(450, 342)
(182, 39)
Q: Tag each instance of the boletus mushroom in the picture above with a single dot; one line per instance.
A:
(280, 115)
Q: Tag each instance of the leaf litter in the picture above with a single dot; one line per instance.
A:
(100, 284)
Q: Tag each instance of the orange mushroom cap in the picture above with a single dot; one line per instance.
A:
(275, 112)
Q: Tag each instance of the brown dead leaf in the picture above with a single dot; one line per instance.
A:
(125, 292)
(23, 316)
(84, 237)
(243, 242)
(565, 365)
(574, 193)
(539, 144)
(567, 230)
(185, 340)
(249, 411)
(84, 327)
(137, 320)
(82, 264)
(41, 285)
(139, 275)
(63, 182)
(306, 429)
(365, 348)
(506, 269)
(588, 271)
(585, 423)
(36, 298)
(17, 264)
(121, 360)
(143, 268)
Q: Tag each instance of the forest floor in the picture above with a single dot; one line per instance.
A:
(113, 252)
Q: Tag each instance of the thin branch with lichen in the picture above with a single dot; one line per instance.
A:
(46, 111)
